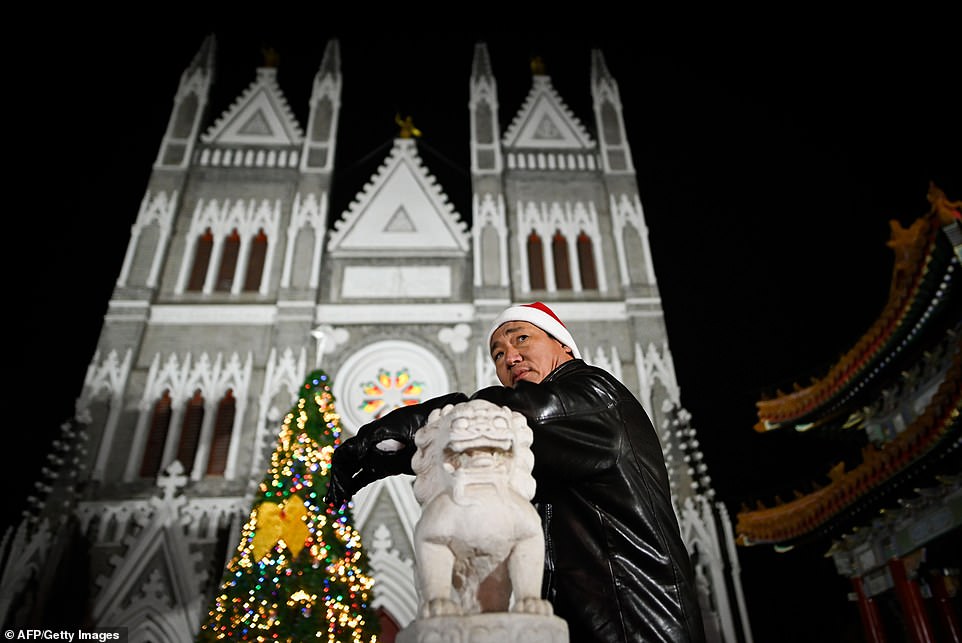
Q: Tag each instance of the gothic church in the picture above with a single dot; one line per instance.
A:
(239, 279)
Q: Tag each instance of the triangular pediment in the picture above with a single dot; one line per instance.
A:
(400, 221)
(260, 115)
(401, 210)
(545, 122)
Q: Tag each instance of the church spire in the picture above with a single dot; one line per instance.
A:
(633, 251)
(203, 60)
(483, 105)
(615, 154)
(481, 65)
(321, 136)
(189, 107)
(331, 61)
(489, 230)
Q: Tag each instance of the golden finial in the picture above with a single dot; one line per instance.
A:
(947, 211)
(408, 130)
(537, 66)
(271, 57)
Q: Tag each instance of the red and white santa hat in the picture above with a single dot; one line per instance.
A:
(542, 317)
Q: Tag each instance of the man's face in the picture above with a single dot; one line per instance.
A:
(522, 351)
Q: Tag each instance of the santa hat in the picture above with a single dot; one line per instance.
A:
(542, 317)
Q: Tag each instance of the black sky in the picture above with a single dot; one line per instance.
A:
(769, 165)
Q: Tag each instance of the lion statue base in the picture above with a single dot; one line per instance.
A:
(501, 627)
(478, 544)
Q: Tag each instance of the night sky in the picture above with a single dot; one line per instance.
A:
(769, 167)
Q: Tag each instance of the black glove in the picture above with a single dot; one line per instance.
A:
(359, 461)
(347, 474)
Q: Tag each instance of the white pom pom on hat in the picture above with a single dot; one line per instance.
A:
(542, 317)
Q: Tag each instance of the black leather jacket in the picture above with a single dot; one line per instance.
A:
(616, 568)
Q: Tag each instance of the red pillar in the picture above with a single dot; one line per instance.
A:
(913, 607)
(943, 604)
(868, 610)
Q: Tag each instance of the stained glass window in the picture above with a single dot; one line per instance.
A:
(202, 252)
(559, 252)
(159, 426)
(228, 262)
(586, 262)
(385, 375)
(389, 391)
(535, 262)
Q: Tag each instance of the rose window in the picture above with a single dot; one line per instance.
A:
(389, 391)
(383, 376)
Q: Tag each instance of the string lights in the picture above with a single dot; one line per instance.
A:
(299, 572)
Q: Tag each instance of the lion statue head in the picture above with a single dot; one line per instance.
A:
(470, 446)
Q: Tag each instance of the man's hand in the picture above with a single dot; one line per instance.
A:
(381, 448)
(347, 474)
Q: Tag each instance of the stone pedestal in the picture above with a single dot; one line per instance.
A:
(493, 627)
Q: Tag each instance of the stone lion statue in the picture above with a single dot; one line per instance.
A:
(478, 543)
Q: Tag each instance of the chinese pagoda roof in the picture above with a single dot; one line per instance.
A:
(924, 296)
(916, 424)
(929, 447)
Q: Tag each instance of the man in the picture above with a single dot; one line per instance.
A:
(616, 568)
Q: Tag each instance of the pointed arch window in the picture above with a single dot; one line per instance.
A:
(389, 626)
(228, 262)
(156, 437)
(535, 262)
(186, 113)
(223, 427)
(255, 264)
(586, 263)
(559, 254)
(609, 122)
(202, 253)
(190, 431)
(483, 122)
(323, 116)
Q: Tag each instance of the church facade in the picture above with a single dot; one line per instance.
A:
(239, 279)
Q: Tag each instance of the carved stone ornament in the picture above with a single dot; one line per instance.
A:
(479, 547)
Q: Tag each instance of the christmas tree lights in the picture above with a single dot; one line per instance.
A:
(298, 573)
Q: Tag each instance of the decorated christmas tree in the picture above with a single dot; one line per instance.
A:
(298, 573)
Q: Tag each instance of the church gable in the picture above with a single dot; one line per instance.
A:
(158, 552)
(401, 209)
(545, 122)
(260, 115)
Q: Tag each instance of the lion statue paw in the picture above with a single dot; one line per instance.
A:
(440, 607)
(532, 605)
